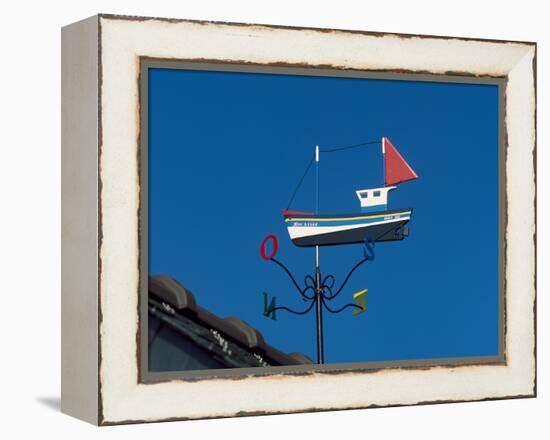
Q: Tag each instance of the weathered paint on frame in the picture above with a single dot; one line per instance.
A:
(122, 399)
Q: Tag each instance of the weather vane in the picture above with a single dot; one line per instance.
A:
(376, 223)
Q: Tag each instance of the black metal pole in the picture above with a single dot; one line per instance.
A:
(319, 310)
(318, 290)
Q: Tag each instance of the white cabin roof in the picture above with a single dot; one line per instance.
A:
(374, 196)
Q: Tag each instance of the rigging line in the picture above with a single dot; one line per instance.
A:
(329, 150)
(348, 147)
(300, 183)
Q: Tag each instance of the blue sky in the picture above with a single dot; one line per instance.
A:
(225, 153)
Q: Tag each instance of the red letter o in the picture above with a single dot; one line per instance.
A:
(275, 247)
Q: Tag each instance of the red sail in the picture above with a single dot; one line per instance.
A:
(397, 169)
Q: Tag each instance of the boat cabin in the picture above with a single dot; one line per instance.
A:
(375, 199)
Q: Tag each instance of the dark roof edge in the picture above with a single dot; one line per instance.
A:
(182, 299)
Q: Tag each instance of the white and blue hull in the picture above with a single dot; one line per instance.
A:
(327, 230)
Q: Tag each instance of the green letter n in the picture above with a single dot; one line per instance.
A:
(269, 310)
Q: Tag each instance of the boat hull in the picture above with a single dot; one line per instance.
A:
(327, 230)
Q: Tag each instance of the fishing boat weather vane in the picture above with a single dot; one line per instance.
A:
(374, 224)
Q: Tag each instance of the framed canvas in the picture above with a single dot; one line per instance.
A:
(263, 219)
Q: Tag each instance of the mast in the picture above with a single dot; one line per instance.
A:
(318, 289)
(383, 162)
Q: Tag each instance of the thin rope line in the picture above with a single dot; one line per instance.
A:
(300, 183)
(348, 147)
(332, 149)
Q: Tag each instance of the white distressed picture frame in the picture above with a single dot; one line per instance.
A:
(101, 203)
